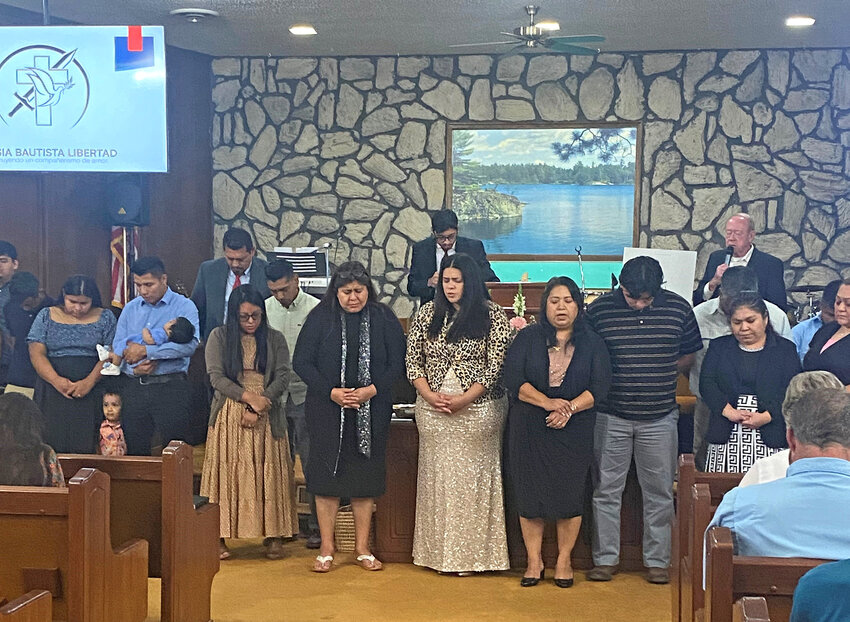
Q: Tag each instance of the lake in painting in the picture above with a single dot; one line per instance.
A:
(557, 218)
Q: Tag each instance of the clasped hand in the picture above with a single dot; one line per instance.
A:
(71, 389)
(353, 398)
(560, 412)
(746, 418)
(445, 403)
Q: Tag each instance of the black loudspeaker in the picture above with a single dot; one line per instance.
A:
(127, 203)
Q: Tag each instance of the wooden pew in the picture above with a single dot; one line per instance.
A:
(58, 539)
(35, 606)
(688, 530)
(750, 609)
(152, 499)
(729, 577)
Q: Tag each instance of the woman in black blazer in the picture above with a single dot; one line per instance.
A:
(743, 382)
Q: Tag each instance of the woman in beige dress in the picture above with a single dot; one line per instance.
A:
(248, 468)
(455, 351)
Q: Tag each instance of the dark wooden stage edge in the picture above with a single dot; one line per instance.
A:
(396, 511)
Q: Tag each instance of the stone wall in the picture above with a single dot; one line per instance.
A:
(315, 150)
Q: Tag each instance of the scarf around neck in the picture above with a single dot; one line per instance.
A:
(364, 379)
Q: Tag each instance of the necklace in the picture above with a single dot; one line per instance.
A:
(746, 349)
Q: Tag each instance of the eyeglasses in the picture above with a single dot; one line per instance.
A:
(253, 317)
(446, 238)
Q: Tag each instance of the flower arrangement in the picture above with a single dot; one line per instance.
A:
(519, 322)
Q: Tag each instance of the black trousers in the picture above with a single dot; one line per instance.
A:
(163, 406)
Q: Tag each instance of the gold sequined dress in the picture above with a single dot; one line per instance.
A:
(460, 514)
(247, 471)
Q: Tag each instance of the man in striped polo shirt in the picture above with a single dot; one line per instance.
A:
(651, 334)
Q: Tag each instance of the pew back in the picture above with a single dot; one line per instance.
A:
(688, 530)
(154, 501)
(58, 539)
(751, 609)
(729, 577)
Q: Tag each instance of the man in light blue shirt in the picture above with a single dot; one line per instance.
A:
(806, 513)
(804, 331)
(154, 384)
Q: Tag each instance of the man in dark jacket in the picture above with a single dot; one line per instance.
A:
(427, 255)
(740, 234)
(218, 277)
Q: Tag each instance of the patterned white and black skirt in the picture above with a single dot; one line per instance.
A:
(738, 454)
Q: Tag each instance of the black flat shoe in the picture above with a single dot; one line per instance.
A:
(564, 582)
(531, 581)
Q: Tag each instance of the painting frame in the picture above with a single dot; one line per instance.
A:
(452, 127)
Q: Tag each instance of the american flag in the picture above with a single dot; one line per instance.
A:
(120, 271)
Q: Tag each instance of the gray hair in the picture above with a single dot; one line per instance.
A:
(803, 383)
(822, 418)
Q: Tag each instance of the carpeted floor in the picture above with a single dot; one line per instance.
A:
(251, 588)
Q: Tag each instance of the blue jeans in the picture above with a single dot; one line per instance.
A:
(654, 446)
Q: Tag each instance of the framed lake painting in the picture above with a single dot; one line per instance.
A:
(540, 192)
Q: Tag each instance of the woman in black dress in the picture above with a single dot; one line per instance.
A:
(743, 382)
(349, 353)
(555, 371)
(829, 350)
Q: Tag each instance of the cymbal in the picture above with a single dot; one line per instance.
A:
(805, 288)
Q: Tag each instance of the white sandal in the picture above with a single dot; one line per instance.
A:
(373, 564)
(322, 560)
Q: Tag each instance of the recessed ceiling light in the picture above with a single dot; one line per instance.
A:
(194, 15)
(799, 21)
(548, 24)
(302, 30)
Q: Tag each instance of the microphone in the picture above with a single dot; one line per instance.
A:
(730, 250)
(338, 239)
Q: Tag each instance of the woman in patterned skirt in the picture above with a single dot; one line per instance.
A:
(247, 468)
(743, 381)
(455, 352)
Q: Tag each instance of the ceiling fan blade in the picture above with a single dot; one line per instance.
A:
(570, 49)
(514, 35)
(579, 39)
(471, 45)
(517, 49)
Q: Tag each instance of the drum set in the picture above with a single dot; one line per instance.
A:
(807, 308)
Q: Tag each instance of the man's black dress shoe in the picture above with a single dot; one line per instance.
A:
(531, 581)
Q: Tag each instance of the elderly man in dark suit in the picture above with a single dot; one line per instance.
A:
(218, 277)
(740, 234)
(427, 255)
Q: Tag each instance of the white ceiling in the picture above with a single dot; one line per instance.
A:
(377, 27)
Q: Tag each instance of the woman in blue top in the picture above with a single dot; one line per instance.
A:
(62, 344)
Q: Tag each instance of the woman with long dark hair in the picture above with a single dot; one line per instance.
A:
(555, 372)
(27, 460)
(349, 352)
(455, 350)
(248, 469)
(63, 349)
(743, 382)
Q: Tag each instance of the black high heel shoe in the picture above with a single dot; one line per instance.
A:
(564, 582)
(531, 581)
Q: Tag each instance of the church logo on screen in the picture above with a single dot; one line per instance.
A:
(44, 86)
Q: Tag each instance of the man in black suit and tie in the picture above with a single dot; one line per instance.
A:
(427, 255)
(218, 277)
(740, 234)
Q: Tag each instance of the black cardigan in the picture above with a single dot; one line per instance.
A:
(835, 359)
(719, 385)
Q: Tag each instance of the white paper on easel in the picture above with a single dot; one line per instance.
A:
(678, 266)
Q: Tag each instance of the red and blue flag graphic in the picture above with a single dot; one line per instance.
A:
(133, 51)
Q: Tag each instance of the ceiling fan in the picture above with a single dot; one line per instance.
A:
(534, 37)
